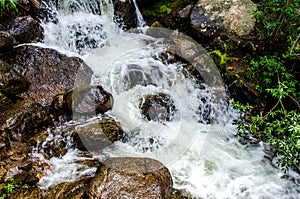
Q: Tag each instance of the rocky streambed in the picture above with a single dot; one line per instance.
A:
(51, 105)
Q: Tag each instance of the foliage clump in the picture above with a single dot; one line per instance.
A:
(274, 73)
(9, 187)
(8, 9)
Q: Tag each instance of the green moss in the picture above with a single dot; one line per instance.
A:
(166, 12)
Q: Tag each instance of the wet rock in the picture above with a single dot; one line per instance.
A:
(97, 135)
(244, 92)
(137, 75)
(158, 107)
(189, 71)
(18, 151)
(38, 10)
(4, 145)
(11, 82)
(39, 169)
(6, 41)
(25, 30)
(124, 13)
(90, 100)
(130, 178)
(49, 72)
(74, 190)
(27, 193)
(18, 170)
(23, 120)
(55, 148)
(202, 24)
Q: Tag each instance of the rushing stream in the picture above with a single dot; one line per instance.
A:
(205, 158)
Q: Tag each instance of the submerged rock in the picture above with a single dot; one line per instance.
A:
(49, 72)
(130, 178)
(158, 107)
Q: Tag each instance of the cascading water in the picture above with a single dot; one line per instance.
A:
(203, 156)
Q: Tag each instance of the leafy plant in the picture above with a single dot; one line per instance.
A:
(9, 187)
(8, 8)
(277, 126)
(278, 20)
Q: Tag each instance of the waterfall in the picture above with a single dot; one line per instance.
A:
(204, 157)
(139, 16)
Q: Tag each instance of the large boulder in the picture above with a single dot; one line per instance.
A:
(49, 72)
(131, 178)
(233, 16)
(202, 24)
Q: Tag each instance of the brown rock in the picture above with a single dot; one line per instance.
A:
(27, 193)
(158, 107)
(49, 72)
(25, 30)
(11, 82)
(23, 120)
(97, 135)
(6, 41)
(90, 100)
(131, 178)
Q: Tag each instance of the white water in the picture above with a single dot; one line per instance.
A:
(205, 159)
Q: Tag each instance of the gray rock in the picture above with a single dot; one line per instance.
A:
(202, 24)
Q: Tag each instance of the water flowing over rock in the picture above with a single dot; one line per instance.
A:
(131, 178)
(158, 107)
(49, 72)
(25, 30)
(124, 13)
